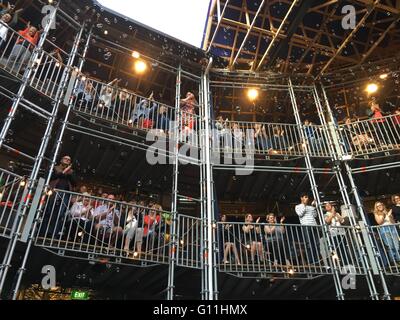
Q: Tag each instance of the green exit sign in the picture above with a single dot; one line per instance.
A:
(79, 295)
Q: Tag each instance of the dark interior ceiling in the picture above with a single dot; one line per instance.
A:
(311, 36)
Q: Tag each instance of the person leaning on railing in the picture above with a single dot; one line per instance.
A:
(387, 230)
(22, 49)
(140, 115)
(9, 18)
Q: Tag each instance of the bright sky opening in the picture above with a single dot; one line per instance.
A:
(181, 19)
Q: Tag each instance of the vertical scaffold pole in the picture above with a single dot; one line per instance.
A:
(58, 102)
(26, 77)
(346, 198)
(203, 187)
(209, 254)
(314, 187)
(335, 153)
(15, 232)
(175, 177)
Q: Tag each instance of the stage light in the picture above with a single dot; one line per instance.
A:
(372, 88)
(22, 183)
(50, 1)
(182, 242)
(383, 76)
(106, 32)
(135, 254)
(140, 66)
(135, 54)
(252, 94)
(291, 272)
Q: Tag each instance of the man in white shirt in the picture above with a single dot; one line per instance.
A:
(107, 219)
(307, 215)
(81, 214)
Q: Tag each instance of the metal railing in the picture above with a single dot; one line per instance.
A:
(11, 192)
(269, 139)
(48, 69)
(126, 108)
(387, 241)
(79, 224)
(47, 74)
(371, 136)
(286, 250)
(189, 242)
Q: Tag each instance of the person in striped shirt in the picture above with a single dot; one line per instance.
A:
(307, 215)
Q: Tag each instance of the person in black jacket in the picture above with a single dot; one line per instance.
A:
(396, 208)
(62, 179)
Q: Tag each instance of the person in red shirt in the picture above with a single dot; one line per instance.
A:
(379, 124)
(22, 50)
(188, 115)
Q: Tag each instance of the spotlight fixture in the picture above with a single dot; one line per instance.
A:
(140, 66)
(371, 88)
(252, 94)
(106, 32)
(383, 76)
(135, 54)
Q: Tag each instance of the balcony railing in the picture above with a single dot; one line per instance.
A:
(387, 241)
(371, 136)
(287, 250)
(11, 192)
(134, 112)
(77, 224)
(47, 68)
(269, 139)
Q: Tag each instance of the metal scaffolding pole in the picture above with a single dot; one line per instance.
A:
(59, 100)
(210, 292)
(15, 232)
(25, 79)
(203, 188)
(336, 153)
(175, 191)
(314, 187)
(346, 199)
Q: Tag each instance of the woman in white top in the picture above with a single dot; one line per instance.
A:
(81, 213)
(387, 230)
(131, 225)
(335, 222)
(107, 94)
